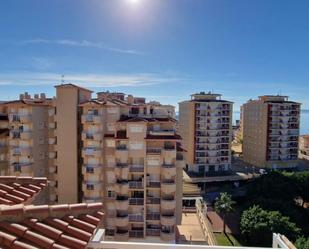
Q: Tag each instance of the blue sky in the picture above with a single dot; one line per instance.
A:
(161, 49)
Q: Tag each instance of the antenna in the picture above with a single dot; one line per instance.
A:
(62, 79)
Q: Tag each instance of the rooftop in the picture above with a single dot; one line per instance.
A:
(15, 190)
(57, 226)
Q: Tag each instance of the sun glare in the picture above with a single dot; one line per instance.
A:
(134, 1)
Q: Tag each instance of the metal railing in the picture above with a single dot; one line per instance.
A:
(201, 211)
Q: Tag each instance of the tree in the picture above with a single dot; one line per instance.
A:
(257, 226)
(302, 243)
(224, 205)
(302, 183)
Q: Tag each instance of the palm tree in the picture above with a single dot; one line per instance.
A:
(224, 205)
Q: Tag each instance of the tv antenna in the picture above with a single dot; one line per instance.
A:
(62, 79)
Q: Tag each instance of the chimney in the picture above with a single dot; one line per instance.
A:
(21, 96)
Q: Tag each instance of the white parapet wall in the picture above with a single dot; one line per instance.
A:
(97, 242)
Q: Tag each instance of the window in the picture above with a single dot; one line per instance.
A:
(90, 187)
(17, 168)
(110, 193)
(90, 170)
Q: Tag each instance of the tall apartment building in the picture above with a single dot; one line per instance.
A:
(270, 131)
(4, 140)
(130, 160)
(205, 125)
(24, 136)
(115, 148)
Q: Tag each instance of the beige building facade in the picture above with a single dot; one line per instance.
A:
(205, 125)
(116, 149)
(270, 128)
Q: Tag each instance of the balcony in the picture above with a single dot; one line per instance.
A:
(21, 151)
(153, 231)
(23, 168)
(96, 152)
(153, 184)
(122, 170)
(52, 140)
(122, 221)
(136, 169)
(153, 151)
(153, 216)
(122, 203)
(168, 203)
(153, 200)
(168, 186)
(168, 170)
(162, 132)
(121, 187)
(122, 235)
(136, 185)
(20, 118)
(91, 118)
(136, 234)
(136, 218)
(167, 235)
(136, 201)
(52, 155)
(52, 125)
(168, 220)
(53, 169)
(122, 152)
(91, 136)
(169, 152)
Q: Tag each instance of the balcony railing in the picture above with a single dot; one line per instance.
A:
(136, 185)
(153, 231)
(136, 218)
(153, 151)
(136, 201)
(136, 168)
(153, 184)
(136, 233)
(153, 200)
(153, 216)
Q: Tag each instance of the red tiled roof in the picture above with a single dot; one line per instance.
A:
(58, 226)
(16, 190)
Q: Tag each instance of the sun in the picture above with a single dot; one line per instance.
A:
(134, 1)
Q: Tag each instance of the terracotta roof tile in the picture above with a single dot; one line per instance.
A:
(15, 190)
(50, 226)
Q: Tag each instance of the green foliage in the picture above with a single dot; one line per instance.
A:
(257, 226)
(301, 180)
(224, 205)
(273, 185)
(302, 243)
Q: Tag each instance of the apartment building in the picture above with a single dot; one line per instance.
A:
(24, 135)
(4, 139)
(114, 148)
(205, 125)
(270, 131)
(304, 147)
(132, 161)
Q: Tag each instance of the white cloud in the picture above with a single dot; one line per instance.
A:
(41, 63)
(83, 43)
(86, 80)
